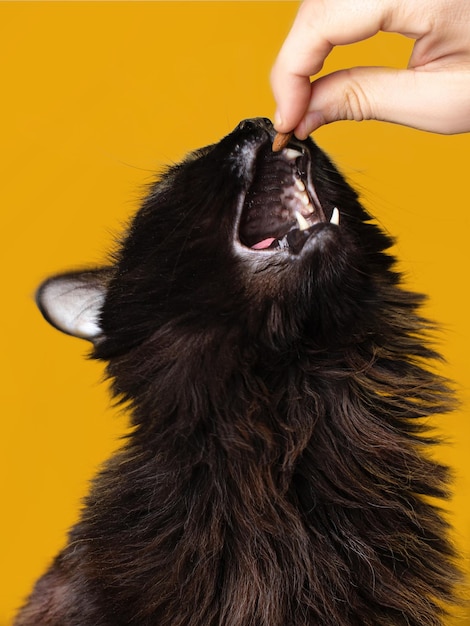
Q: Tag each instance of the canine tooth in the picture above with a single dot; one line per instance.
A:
(335, 217)
(290, 154)
(304, 199)
(299, 184)
(301, 221)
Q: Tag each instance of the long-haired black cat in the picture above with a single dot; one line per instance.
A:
(276, 372)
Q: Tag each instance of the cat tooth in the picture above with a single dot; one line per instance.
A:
(304, 199)
(301, 221)
(335, 217)
(299, 184)
(290, 154)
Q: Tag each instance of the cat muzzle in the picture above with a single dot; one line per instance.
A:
(281, 210)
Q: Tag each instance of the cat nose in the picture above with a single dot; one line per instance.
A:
(254, 123)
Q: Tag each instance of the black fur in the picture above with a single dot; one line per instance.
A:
(278, 471)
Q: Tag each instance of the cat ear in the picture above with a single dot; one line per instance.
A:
(72, 302)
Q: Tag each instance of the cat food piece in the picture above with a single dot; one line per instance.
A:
(281, 140)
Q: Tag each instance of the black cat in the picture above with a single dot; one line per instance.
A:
(275, 372)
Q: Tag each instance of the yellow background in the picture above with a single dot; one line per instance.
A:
(95, 97)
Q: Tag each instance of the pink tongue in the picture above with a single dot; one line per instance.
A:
(261, 245)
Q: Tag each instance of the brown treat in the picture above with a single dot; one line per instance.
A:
(281, 140)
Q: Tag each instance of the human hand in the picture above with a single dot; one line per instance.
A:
(432, 94)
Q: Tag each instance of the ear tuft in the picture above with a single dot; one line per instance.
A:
(72, 302)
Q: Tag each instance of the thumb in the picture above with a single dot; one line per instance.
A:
(436, 101)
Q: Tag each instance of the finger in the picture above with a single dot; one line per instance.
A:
(301, 56)
(436, 101)
(317, 28)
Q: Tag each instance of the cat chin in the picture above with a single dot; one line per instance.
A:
(295, 244)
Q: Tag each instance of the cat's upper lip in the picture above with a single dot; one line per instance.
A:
(281, 209)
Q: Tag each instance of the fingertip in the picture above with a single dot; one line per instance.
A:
(278, 124)
(291, 96)
(281, 125)
(288, 118)
(309, 123)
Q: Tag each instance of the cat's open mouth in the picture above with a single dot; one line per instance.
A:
(281, 209)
